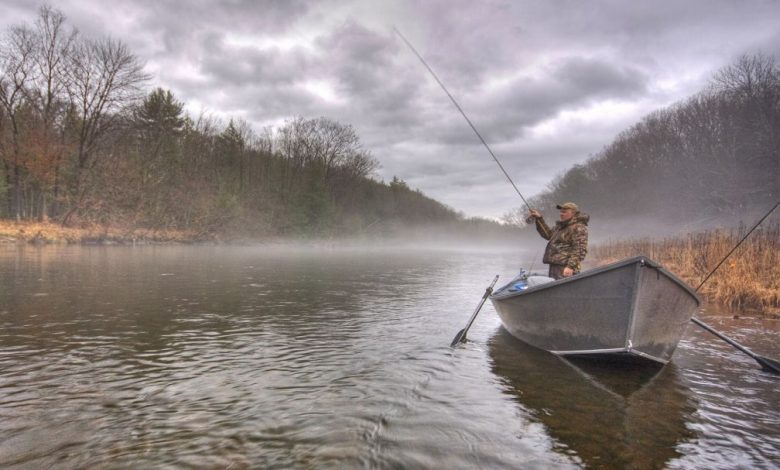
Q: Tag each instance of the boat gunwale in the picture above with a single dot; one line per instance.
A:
(503, 294)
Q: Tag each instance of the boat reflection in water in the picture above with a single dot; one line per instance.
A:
(604, 414)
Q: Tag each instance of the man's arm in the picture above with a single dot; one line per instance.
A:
(543, 228)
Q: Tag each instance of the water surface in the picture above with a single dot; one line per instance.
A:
(237, 357)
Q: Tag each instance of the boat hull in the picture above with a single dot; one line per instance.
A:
(631, 307)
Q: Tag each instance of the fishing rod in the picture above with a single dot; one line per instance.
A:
(462, 113)
(769, 365)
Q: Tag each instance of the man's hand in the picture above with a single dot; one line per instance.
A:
(535, 214)
(567, 271)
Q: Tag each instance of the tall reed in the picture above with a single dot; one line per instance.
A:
(748, 281)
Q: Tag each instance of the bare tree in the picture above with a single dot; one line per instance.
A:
(333, 144)
(749, 105)
(104, 78)
(751, 76)
(324, 142)
(48, 95)
(54, 45)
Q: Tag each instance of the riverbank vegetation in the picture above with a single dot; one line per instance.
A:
(749, 280)
(50, 233)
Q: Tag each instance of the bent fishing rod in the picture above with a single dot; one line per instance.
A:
(435, 77)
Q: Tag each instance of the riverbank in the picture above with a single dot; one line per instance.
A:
(50, 233)
(749, 280)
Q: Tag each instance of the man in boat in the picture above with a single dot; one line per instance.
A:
(568, 240)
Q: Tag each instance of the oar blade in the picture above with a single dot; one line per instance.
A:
(461, 336)
(458, 338)
(769, 365)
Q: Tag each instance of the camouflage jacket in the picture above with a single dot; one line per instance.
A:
(568, 241)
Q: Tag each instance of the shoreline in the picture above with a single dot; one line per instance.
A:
(48, 233)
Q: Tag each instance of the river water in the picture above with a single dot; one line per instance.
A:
(239, 357)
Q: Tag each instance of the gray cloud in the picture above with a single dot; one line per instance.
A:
(597, 78)
(237, 66)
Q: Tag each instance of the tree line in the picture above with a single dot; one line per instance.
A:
(83, 142)
(711, 159)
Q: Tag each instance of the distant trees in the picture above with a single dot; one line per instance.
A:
(713, 157)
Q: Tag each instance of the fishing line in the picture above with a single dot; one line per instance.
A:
(462, 113)
(737, 245)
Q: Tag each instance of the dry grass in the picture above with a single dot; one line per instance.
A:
(46, 232)
(749, 280)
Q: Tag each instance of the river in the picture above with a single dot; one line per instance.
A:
(251, 357)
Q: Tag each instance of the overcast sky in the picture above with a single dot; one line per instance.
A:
(547, 83)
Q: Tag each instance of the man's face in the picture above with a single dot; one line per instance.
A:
(566, 214)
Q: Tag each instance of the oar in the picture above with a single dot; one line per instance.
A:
(769, 365)
(461, 336)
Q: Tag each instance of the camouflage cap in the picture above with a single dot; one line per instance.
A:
(568, 205)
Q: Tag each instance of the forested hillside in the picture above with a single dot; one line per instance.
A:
(83, 141)
(712, 160)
